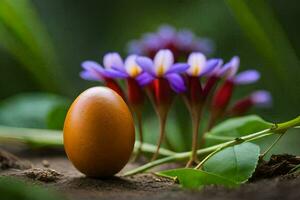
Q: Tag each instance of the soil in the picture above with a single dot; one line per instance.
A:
(51, 168)
(284, 166)
(8, 160)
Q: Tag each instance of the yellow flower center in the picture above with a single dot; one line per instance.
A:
(196, 70)
(160, 70)
(134, 71)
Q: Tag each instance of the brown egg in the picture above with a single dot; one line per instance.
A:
(99, 132)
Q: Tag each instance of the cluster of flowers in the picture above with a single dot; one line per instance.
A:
(199, 81)
(180, 42)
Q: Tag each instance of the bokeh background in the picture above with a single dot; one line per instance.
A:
(42, 44)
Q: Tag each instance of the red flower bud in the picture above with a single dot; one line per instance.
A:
(163, 94)
(112, 84)
(195, 90)
(241, 107)
(135, 93)
(209, 85)
(223, 96)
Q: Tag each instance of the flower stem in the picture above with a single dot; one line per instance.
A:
(195, 123)
(140, 130)
(162, 126)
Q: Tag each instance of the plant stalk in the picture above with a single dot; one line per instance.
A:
(271, 146)
(162, 126)
(195, 124)
(140, 130)
(51, 138)
(275, 129)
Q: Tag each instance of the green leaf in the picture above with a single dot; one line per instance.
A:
(260, 25)
(236, 127)
(11, 188)
(236, 163)
(195, 179)
(56, 116)
(29, 110)
(23, 35)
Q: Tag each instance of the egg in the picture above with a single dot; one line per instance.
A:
(99, 132)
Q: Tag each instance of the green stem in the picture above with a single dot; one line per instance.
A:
(289, 124)
(53, 138)
(195, 123)
(185, 155)
(219, 137)
(275, 129)
(271, 146)
(140, 130)
(176, 157)
(208, 157)
(162, 124)
(150, 148)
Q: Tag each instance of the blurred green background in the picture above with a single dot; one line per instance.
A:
(42, 44)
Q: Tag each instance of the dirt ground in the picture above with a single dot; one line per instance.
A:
(55, 171)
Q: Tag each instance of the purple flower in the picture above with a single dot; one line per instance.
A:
(181, 43)
(129, 69)
(223, 95)
(261, 98)
(165, 80)
(200, 66)
(93, 71)
(194, 96)
(163, 67)
(229, 70)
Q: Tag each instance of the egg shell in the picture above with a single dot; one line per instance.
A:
(99, 132)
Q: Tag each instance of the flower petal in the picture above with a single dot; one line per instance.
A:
(261, 98)
(91, 65)
(210, 66)
(217, 69)
(176, 82)
(203, 45)
(167, 33)
(247, 77)
(184, 38)
(144, 79)
(131, 67)
(230, 68)
(163, 60)
(146, 64)
(112, 60)
(135, 47)
(112, 73)
(151, 41)
(94, 69)
(197, 62)
(86, 75)
(178, 68)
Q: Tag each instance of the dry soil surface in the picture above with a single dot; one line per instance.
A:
(55, 171)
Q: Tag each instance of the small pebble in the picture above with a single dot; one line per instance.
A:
(46, 163)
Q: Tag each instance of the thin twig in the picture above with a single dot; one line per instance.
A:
(271, 146)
